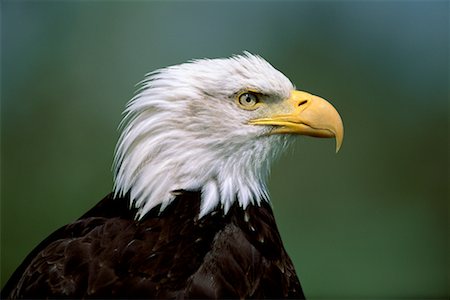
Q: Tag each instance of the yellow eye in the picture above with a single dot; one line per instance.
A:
(248, 100)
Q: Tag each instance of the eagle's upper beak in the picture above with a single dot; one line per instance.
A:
(307, 115)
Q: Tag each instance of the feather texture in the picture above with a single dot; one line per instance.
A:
(183, 130)
(173, 254)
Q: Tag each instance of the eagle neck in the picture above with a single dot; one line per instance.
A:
(224, 174)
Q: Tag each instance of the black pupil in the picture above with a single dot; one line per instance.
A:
(248, 98)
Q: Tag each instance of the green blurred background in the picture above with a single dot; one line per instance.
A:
(370, 222)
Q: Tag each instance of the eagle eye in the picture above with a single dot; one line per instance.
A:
(248, 100)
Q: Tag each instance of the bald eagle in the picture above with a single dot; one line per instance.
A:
(189, 215)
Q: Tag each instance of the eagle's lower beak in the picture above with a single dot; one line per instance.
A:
(307, 115)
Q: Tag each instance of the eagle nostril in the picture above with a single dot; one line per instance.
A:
(302, 102)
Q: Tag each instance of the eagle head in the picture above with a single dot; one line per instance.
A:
(213, 125)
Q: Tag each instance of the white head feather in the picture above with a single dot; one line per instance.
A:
(184, 131)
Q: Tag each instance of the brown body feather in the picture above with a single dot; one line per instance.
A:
(108, 254)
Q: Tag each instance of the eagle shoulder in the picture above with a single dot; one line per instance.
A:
(107, 253)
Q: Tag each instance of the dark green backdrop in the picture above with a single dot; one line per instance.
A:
(370, 222)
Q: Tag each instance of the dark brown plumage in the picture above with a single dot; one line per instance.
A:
(173, 254)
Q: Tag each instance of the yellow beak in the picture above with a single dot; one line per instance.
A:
(307, 115)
